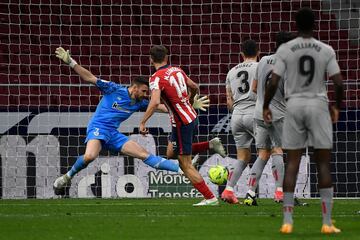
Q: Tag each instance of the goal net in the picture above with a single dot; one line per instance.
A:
(45, 106)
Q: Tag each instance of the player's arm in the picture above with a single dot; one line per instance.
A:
(269, 94)
(193, 89)
(229, 99)
(339, 94)
(162, 108)
(197, 102)
(85, 74)
(339, 89)
(270, 89)
(254, 85)
(153, 105)
(333, 70)
(255, 80)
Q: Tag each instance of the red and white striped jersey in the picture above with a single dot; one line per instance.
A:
(172, 83)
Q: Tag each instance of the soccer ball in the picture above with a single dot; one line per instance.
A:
(218, 174)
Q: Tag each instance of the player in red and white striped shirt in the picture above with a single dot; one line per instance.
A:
(172, 81)
(170, 84)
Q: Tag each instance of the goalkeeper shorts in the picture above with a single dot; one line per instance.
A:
(111, 140)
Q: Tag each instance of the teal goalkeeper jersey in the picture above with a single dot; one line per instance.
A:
(115, 106)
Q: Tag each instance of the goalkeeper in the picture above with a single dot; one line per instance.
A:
(117, 105)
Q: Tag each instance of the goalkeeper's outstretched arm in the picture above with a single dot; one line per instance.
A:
(85, 74)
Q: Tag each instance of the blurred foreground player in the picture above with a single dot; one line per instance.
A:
(305, 61)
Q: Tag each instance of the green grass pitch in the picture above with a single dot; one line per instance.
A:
(77, 219)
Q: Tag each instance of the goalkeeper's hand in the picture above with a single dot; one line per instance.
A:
(201, 103)
(65, 56)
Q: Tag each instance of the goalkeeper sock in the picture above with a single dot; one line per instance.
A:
(326, 195)
(255, 173)
(77, 167)
(161, 163)
(204, 189)
(200, 147)
(235, 173)
(278, 169)
(288, 207)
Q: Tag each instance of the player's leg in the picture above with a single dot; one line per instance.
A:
(322, 158)
(94, 141)
(242, 130)
(277, 168)
(214, 143)
(321, 137)
(263, 144)
(291, 171)
(294, 140)
(235, 172)
(199, 147)
(182, 137)
(133, 149)
(170, 152)
(197, 181)
(255, 175)
(93, 148)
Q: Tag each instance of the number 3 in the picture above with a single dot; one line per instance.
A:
(243, 76)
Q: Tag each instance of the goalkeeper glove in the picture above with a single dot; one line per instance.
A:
(201, 103)
(65, 56)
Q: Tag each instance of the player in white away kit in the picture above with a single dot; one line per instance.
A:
(305, 61)
(268, 136)
(241, 101)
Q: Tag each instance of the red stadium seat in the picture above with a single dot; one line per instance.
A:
(114, 41)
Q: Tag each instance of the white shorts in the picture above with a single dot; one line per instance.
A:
(268, 136)
(307, 123)
(242, 127)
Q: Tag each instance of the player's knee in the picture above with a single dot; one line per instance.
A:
(244, 154)
(170, 154)
(184, 165)
(276, 151)
(89, 157)
(264, 154)
(142, 154)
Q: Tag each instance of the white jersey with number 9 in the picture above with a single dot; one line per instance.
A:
(305, 61)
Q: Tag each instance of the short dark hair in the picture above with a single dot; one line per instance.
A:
(249, 48)
(158, 53)
(283, 37)
(140, 81)
(305, 20)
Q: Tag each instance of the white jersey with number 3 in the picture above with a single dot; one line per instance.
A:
(305, 61)
(239, 80)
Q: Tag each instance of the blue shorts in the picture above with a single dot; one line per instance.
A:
(182, 137)
(110, 139)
